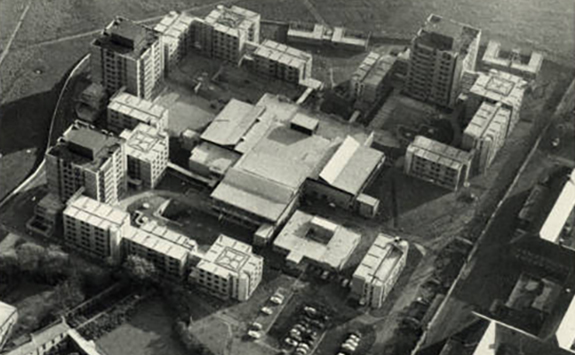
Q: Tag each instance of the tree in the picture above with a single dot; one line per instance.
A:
(140, 269)
(30, 256)
(69, 293)
(9, 267)
(56, 264)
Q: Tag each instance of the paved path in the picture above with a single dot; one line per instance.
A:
(13, 35)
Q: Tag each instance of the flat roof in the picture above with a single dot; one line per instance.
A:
(494, 56)
(145, 142)
(524, 294)
(501, 87)
(126, 38)
(566, 331)
(487, 116)
(447, 35)
(563, 207)
(282, 53)
(351, 166)
(216, 158)
(85, 146)
(374, 68)
(438, 152)
(232, 19)
(229, 257)
(232, 123)
(162, 240)
(141, 109)
(381, 259)
(6, 311)
(174, 24)
(96, 213)
(294, 239)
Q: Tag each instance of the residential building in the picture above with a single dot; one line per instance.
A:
(371, 81)
(283, 62)
(437, 163)
(8, 318)
(95, 228)
(322, 35)
(516, 62)
(87, 158)
(315, 240)
(47, 215)
(440, 52)
(229, 269)
(225, 31)
(486, 134)
(147, 149)
(175, 32)
(130, 55)
(559, 222)
(91, 103)
(168, 250)
(379, 270)
(346, 174)
(126, 111)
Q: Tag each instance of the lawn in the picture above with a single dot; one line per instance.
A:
(149, 332)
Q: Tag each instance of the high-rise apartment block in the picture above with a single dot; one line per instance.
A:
(95, 228)
(224, 32)
(229, 269)
(126, 111)
(440, 52)
(130, 55)
(88, 158)
(147, 149)
(379, 270)
(175, 32)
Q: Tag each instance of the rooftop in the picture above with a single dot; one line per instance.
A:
(6, 311)
(232, 123)
(514, 59)
(232, 19)
(566, 331)
(162, 240)
(216, 158)
(563, 207)
(143, 110)
(281, 53)
(145, 142)
(41, 337)
(125, 37)
(332, 249)
(374, 68)
(447, 35)
(351, 166)
(486, 117)
(229, 257)
(96, 213)
(174, 24)
(440, 153)
(381, 259)
(84, 146)
(501, 87)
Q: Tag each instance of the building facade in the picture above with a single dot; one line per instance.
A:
(94, 228)
(130, 55)
(225, 31)
(379, 270)
(437, 163)
(175, 32)
(87, 158)
(8, 318)
(440, 52)
(147, 149)
(229, 269)
(371, 80)
(283, 62)
(126, 111)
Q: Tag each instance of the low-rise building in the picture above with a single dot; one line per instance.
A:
(283, 62)
(379, 270)
(147, 149)
(168, 250)
(8, 318)
(323, 35)
(229, 269)
(126, 111)
(371, 81)
(315, 240)
(47, 215)
(175, 32)
(437, 163)
(225, 32)
(94, 228)
(87, 158)
(526, 65)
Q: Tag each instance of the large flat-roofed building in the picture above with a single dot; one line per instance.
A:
(225, 31)
(347, 173)
(130, 55)
(175, 31)
(147, 149)
(526, 65)
(486, 134)
(558, 224)
(440, 52)
(315, 240)
(437, 163)
(322, 35)
(283, 62)
(88, 158)
(8, 318)
(565, 333)
(379, 270)
(211, 161)
(495, 87)
(371, 80)
(168, 250)
(95, 228)
(229, 269)
(126, 111)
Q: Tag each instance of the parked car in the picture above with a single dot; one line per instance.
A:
(291, 342)
(276, 300)
(266, 310)
(254, 335)
(256, 326)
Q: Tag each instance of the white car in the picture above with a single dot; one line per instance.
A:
(254, 335)
(266, 310)
(276, 300)
(348, 347)
(291, 342)
(256, 326)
